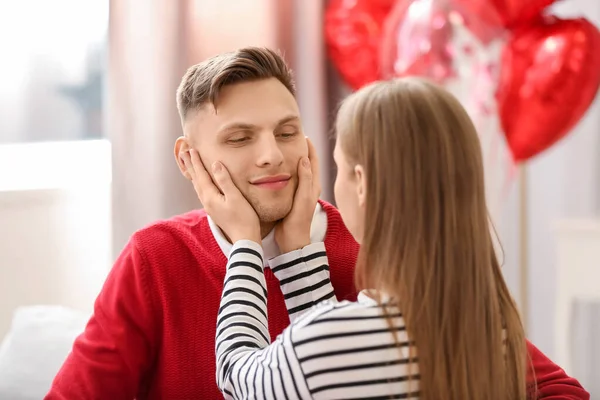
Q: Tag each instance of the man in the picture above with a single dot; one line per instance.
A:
(152, 335)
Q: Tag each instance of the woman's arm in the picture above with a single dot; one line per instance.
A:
(337, 350)
(247, 367)
(304, 278)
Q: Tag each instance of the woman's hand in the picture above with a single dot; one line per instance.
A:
(293, 232)
(222, 200)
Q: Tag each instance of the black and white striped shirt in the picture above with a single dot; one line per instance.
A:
(334, 351)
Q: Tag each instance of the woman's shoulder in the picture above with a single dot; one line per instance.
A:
(352, 342)
(347, 316)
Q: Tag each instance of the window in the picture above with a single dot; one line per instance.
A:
(52, 70)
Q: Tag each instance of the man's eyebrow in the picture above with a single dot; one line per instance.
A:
(244, 126)
(234, 126)
(289, 118)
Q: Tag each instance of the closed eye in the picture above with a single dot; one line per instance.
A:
(238, 140)
(287, 134)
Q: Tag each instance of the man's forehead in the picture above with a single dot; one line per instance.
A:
(209, 119)
(250, 123)
(261, 103)
(252, 98)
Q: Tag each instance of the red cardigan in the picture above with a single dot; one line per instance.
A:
(152, 334)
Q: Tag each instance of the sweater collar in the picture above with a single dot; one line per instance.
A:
(318, 229)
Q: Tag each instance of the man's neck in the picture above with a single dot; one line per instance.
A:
(266, 228)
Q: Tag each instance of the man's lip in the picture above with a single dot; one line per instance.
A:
(271, 179)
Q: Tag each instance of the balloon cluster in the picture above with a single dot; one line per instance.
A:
(548, 72)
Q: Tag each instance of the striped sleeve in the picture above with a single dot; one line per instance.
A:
(304, 278)
(247, 366)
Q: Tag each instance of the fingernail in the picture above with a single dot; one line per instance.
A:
(305, 163)
(217, 167)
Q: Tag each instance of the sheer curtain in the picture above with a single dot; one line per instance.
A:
(146, 56)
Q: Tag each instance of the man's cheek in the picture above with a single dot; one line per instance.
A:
(236, 177)
(301, 151)
(298, 148)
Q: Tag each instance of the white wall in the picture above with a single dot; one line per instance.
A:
(54, 225)
(563, 182)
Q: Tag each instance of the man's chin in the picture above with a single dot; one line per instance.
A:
(272, 213)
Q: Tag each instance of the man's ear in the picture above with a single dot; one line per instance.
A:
(361, 184)
(182, 146)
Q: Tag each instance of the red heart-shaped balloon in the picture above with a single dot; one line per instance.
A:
(506, 13)
(518, 12)
(352, 34)
(549, 77)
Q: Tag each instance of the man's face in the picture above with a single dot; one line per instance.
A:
(255, 132)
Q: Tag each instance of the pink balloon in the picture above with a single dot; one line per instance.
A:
(419, 38)
(415, 41)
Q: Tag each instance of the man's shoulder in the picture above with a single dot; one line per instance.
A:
(182, 228)
(188, 220)
(172, 248)
(336, 229)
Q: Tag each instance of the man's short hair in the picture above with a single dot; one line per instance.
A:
(203, 82)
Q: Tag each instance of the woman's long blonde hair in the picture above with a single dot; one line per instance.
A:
(427, 240)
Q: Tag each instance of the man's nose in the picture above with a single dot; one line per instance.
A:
(269, 152)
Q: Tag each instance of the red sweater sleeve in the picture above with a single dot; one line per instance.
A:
(552, 381)
(109, 358)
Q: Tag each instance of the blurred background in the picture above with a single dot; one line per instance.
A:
(88, 121)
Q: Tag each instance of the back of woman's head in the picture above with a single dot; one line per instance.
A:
(426, 238)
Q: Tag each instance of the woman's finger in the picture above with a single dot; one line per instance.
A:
(223, 181)
(314, 166)
(189, 168)
(305, 181)
(205, 188)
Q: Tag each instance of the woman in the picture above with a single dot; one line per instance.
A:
(437, 322)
